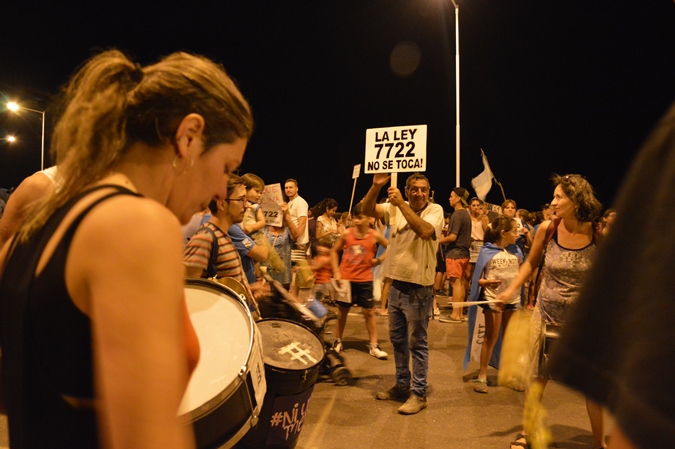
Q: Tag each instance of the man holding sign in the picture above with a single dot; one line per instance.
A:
(411, 262)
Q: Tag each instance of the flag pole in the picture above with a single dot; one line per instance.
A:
(456, 90)
(482, 153)
(500, 186)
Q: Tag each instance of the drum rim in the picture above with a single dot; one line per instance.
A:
(239, 381)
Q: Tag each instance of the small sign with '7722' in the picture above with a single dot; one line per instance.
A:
(396, 149)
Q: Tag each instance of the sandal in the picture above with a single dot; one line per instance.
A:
(480, 386)
(521, 442)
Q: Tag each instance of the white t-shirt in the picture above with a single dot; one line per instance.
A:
(477, 232)
(298, 207)
(504, 267)
(410, 258)
(51, 173)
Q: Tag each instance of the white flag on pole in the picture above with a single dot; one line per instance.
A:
(483, 182)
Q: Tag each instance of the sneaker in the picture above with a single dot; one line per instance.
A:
(337, 346)
(414, 404)
(480, 386)
(376, 352)
(449, 319)
(395, 392)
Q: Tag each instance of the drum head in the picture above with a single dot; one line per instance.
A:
(289, 346)
(224, 328)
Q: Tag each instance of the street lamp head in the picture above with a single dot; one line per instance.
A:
(9, 138)
(13, 106)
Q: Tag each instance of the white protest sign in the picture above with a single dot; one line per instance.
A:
(493, 208)
(357, 171)
(270, 201)
(396, 149)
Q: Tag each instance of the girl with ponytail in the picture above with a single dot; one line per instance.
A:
(96, 345)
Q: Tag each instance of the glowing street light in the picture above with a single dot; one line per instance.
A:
(9, 139)
(14, 107)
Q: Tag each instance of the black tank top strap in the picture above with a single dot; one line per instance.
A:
(68, 235)
(55, 220)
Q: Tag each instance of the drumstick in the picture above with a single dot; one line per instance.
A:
(290, 300)
(255, 306)
(474, 303)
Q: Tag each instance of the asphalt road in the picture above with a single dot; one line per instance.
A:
(347, 417)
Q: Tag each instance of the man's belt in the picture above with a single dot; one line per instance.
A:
(406, 287)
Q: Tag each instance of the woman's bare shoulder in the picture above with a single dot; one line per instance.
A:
(132, 216)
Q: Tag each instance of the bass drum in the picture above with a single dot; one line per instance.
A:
(227, 388)
(293, 355)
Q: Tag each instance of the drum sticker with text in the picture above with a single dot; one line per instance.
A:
(297, 353)
(288, 416)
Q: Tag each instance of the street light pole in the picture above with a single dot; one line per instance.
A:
(456, 5)
(15, 107)
(42, 149)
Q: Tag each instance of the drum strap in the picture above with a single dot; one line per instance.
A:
(212, 267)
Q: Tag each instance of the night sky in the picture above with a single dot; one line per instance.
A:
(565, 87)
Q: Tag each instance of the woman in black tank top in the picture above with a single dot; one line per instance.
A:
(96, 345)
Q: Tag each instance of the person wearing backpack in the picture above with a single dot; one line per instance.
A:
(211, 252)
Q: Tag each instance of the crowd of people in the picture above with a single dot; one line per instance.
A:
(88, 325)
(482, 254)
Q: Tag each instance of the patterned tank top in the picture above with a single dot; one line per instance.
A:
(562, 276)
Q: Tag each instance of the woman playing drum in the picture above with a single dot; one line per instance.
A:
(95, 342)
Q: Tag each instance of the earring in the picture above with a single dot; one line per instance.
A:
(175, 164)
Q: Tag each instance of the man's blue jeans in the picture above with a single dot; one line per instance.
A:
(409, 311)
